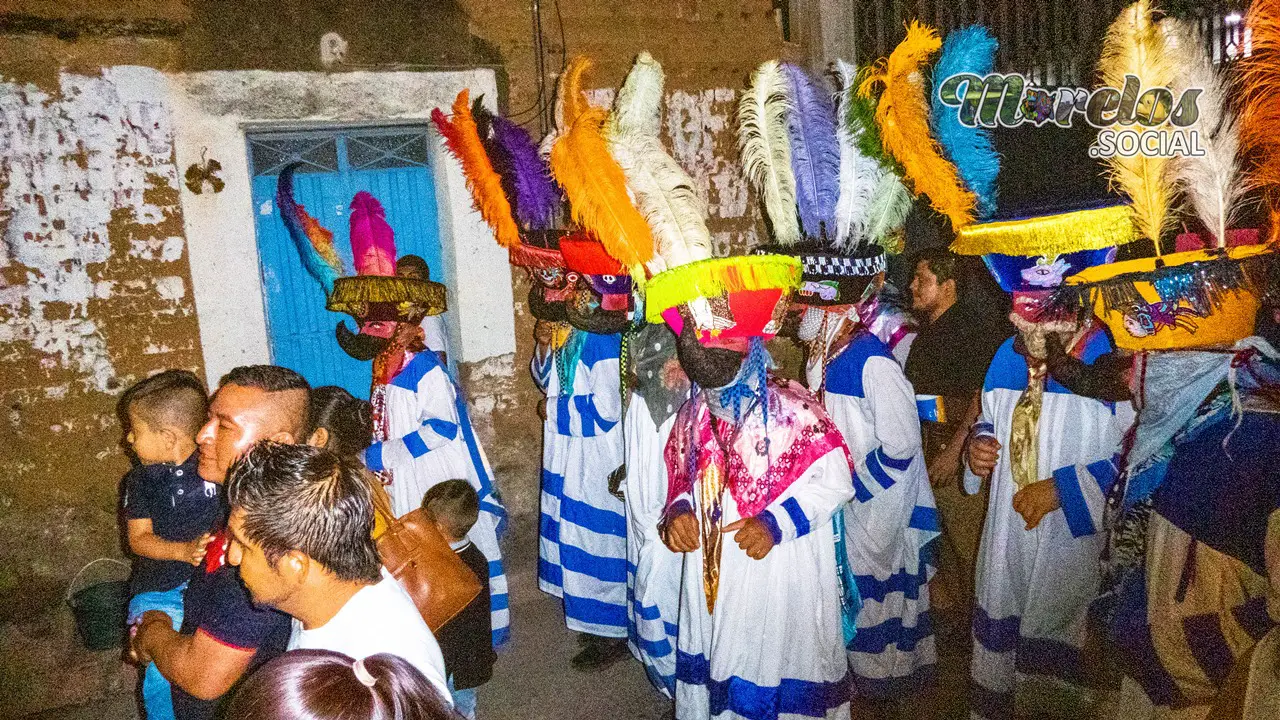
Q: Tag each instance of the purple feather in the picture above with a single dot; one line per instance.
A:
(815, 153)
(537, 198)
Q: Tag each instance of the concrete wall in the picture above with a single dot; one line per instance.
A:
(110, 269)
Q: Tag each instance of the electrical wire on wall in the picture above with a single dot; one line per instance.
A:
(542, 110)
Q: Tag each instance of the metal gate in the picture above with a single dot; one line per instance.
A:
(391, 164)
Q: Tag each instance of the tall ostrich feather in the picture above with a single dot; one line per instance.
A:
(597, 191)
(462, 138)
(1259, 111)
(859, 173)
(372, 241)
(313, 241)
(1134, 45)
(815, 153)
(766, 148)
(663, 191)
(967, 50)
(903, 118)
(1212, 181)
(537, 199)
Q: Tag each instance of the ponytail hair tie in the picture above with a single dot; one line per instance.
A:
(362, 673)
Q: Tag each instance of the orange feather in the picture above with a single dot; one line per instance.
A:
(597, 191)
(463, 140)
(572, 97)
(903, 117)
(1260, 107)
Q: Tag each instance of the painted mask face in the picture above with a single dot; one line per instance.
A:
(1032, 306)
(614, 290)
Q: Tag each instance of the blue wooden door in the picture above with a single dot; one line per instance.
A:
(391, 164)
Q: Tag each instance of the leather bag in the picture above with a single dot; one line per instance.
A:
(420, 559)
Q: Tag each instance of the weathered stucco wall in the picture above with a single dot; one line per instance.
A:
(94, 294)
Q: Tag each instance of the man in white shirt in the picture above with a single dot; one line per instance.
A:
(301, 525)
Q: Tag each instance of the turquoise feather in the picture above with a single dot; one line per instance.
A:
(967, 50)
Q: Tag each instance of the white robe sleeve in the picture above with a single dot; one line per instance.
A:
(812, 499)
(436, 406)
(897, 429)
(541, 365)
(1082, 493)
(592, 413)
(984, 427)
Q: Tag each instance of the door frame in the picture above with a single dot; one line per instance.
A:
(213, 114)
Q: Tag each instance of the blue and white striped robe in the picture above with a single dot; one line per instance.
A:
(890, 522)
(430, 441)
(653, 570)
(582, 549)
(1034, 587)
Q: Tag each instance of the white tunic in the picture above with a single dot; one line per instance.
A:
(653, 571)
(582, 549)
(774, 647)
(430, 441)
(1034, 587)
(891, 520)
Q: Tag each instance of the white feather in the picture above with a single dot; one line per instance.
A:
(637, 108)
(890, 205)
(1210, 182)
(662, 191)
(766, 150)
(858, 173)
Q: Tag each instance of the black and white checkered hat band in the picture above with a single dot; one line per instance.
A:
(824, 265)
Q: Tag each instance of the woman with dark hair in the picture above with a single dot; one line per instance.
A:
(340, 421)
(343, 423)
(325, 685)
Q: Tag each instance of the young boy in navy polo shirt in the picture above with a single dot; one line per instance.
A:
(169, 509)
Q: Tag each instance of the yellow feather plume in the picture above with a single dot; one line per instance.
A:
(1134, 45)
(903, 117)
(597, 191)
(571, 98)
(1260, 106)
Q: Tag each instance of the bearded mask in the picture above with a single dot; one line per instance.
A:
(707, 365)
(585, 311)
(1036, 320)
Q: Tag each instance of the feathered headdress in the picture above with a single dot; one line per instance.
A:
(873, 201)
(969, 50)
(663, 191)
(1134, 45)
(903, 118)
(463, 140)
(766, 148)
(1211, 181)
(313, 241)
(595, 184)
(537, 199)
(1259, 109)
(815, 153)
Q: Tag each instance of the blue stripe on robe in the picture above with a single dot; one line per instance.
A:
(877, 638)
(605, 569)
(1071, 497)
(759, 702)
(998, 636)
(877, 472)
(902, 581)
(604, 522)
(595, 612)
(792, 506)
(924, 518)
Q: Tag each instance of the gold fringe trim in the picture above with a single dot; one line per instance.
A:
(1049, 235)
(353, 295)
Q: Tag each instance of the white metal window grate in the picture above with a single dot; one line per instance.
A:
(329, 151)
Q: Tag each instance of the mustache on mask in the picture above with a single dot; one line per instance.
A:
(596, 320)
(543, 310)
(358, 345)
